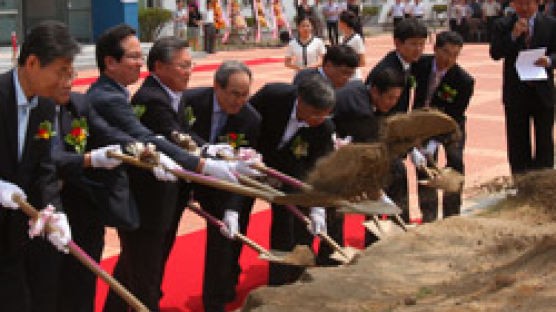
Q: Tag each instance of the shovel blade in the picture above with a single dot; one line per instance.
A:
(370, 207)
(301, 255)
(349, 255)
(385, 228)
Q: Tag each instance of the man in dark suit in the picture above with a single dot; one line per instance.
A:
(409, 39)
(444, 85)
(295, 132)
(119, 58)
(338, 65)
(223, 115)
(29, 269)
(527, 100)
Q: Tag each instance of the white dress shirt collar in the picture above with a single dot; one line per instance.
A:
(292, 127)
(405, 65)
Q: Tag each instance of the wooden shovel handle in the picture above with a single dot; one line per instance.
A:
(86, 260)
(214, 221)
(197, 178)
(283, 177)
(333, 244)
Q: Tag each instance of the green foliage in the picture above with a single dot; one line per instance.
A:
(151, 21)
(439, 8)
(370, 10)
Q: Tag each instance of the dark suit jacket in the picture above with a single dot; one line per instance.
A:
(247, 122)
(502, 46)
(391, 60)
(456, 78)
(354, 114)
(35, 173)
(275, 102)
(104, 192)
(157, 201)
(110, 101)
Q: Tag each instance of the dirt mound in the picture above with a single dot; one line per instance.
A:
(499, 262)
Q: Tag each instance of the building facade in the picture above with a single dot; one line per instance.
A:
(86, 18)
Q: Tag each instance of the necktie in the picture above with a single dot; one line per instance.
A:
(219, 125)
(23, 121)
(432, 87)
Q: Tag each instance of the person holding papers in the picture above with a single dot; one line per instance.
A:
(524, 99)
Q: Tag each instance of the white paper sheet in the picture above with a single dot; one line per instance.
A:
(525, 65)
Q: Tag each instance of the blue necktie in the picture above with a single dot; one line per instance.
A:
(22, 122)
(220, 122)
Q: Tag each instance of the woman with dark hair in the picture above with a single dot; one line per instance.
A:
(355, 7)
(348, 24)
(305, 51)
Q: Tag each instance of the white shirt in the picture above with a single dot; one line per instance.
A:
(178, 15)
(356, 42)
(408, 8)
(397, 10)
(210, 16)
(305, 54)
(175, 97)
(292, 127)
(418, 10)
(334, 9)
(24, 108)
(491, 8)
(405, 65)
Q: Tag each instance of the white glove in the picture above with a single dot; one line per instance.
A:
(387, 200)
(431, 147)
(318, 220)
(7, 190)
(339, 142)
(217, 150)
(62, 236)
(220, 169)
(231, 219)
(36, 226)
(243, 167)
(418, 158)
(100, 160)
(161, 172)
(248, 153)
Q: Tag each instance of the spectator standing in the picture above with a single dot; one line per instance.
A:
(463, 12)
(180, 20)
(193, 24)
(542, 8)
(355, 7)
(476, 9)
(491, 11)
(209, 29)
(396, 11)
(304, 9)
(418, 10)
(348, 23)
(407, 9)
(305, 51)
(331, 12)
(527, 102)
(452, 15)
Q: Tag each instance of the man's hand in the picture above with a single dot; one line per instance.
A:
(231, 219)
(220, 169)
(520, 27)
(318, 220)
(166, 163)
(217, 150)
(418, 158)
(99, 159)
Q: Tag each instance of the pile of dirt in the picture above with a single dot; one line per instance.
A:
(504, 260)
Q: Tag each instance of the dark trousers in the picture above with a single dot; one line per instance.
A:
(222, 267)
(286, 231)
(334, 229)
(210, 36)
(397, 20)
(518, 124)
(332, 27)
(428, 197)
(398, 192)
(78, 284)
(29, 282)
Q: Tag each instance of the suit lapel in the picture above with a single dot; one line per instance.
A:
(203, 113)
(537, 29)
(32, 128)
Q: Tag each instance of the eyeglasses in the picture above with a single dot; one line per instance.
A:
(184, 66)
(135, 57)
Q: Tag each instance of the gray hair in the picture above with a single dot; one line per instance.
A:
(226, 69)
(163, 50)
(317, 92)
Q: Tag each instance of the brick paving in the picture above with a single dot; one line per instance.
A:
(485, 153)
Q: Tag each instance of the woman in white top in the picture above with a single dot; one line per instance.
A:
(347, 24)
(305, 51)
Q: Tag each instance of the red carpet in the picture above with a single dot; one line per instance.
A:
(199, 68)
(184, 271)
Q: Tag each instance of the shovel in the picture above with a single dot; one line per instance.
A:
(300, 256)
(446, 179)
(86, 260)
(345, 255)
(294, 199)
